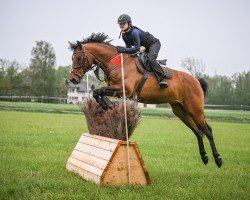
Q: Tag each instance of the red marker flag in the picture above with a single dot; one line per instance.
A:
(117, 60)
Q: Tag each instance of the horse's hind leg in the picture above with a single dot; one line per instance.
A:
(181, 113)
(199, 119)
(208, 132)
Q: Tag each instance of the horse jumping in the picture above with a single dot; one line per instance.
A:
(185, 93)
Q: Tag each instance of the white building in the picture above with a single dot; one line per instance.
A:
(78, 93)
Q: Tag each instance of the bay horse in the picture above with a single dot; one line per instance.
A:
(185, 93)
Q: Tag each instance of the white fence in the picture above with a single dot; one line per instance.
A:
(59, 100)
(41, 99)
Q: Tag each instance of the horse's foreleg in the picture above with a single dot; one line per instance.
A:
(99, 99)
(101, 96)
(182, 114)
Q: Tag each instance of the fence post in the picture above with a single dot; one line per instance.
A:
(241, 111)
(41, 102)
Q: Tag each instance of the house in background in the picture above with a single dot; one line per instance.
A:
(78, 93)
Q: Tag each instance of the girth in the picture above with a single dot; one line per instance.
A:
(146, 74)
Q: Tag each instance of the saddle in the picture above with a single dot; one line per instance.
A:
(141, 62)
(144, 67)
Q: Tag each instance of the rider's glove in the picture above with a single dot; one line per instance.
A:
(121, 49)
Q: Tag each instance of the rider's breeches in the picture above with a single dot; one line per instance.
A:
(152, 55)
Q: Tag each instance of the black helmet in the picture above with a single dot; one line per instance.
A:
(124, 18)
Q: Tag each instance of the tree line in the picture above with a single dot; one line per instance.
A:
(40, 78)
(222, 90)
(43, 78)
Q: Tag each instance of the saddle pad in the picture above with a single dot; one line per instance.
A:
(167, 70)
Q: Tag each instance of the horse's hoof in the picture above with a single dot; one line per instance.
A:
(218, 162)
(204, 159)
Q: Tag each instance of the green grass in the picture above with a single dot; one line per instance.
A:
(215, 115)
(34, 106)
(35, 147)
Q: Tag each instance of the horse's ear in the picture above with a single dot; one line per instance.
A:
(71, 45)
(79, 44)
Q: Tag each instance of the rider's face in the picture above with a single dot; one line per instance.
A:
(123, 26)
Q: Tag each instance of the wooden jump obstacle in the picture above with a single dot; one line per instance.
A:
(104, 161)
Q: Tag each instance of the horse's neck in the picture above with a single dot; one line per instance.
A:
(101, 54)
(99, 51)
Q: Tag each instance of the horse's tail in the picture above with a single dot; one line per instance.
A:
(204, 85)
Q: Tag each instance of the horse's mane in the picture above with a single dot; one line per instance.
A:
(101, 38)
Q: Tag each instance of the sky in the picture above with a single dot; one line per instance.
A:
(215, 31)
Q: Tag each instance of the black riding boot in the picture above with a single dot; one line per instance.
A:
(159, 73)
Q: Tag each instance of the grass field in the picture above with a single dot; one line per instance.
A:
(216, 115)
(35, 147)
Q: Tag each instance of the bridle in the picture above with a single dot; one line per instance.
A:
(86, 66)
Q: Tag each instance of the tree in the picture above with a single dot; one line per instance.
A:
(10, 79)
(42, 69)
(195, 66)
(242, 88)
(62, 74)
(220, 90)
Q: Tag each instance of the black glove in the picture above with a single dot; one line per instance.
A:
(121, 49)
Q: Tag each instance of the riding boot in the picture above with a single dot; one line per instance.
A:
(160, 74)
(156, 68)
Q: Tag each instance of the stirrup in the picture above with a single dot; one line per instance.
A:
(163, 84)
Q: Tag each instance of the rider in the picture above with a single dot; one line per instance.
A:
(134, 38)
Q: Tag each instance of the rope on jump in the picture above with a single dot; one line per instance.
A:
(126, 122)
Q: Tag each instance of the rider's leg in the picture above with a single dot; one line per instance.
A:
(152, 55)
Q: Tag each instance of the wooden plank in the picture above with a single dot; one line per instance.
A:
(85, 166)
(89, 159)
(116, 172)
(102, 138)
(103, 144)
(142, 164)
(94, 151)
(84, 174)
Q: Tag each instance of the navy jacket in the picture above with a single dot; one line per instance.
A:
(136, 38)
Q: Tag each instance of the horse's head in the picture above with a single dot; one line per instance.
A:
(82, 62)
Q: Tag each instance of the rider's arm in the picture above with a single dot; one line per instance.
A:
(136, 39)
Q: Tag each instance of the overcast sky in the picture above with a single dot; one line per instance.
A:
(216, 31)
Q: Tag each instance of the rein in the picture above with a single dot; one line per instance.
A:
(98, 66)
(86, 66)
(96, 71)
